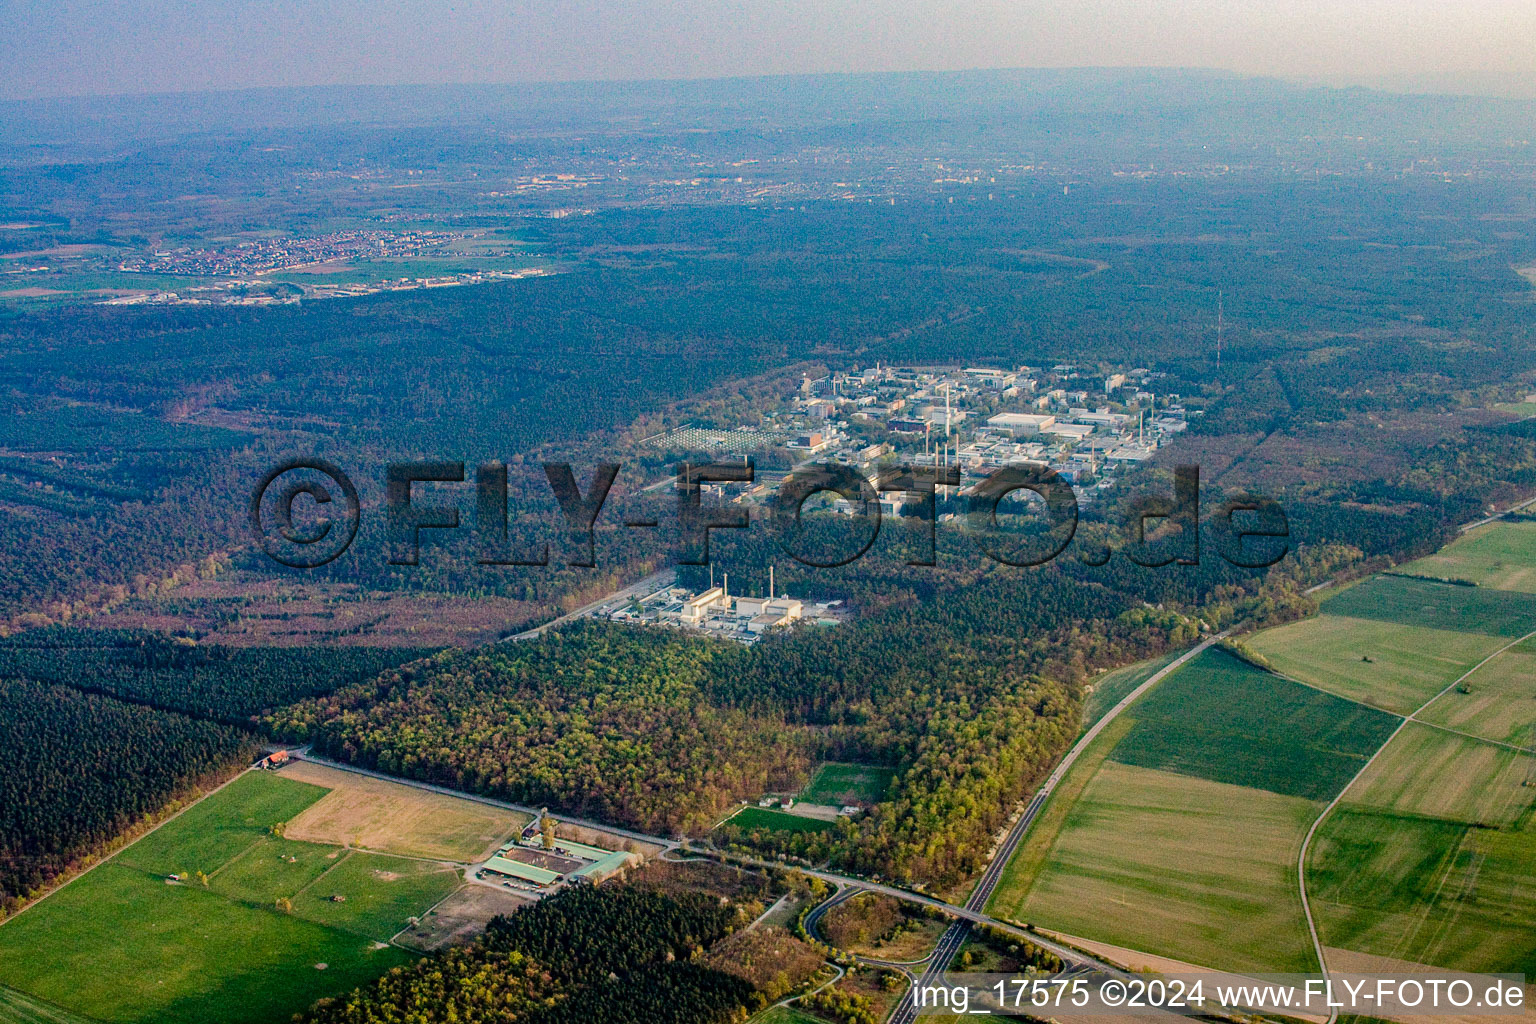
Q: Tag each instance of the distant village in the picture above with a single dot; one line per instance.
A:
(249, 265)
(254, 258)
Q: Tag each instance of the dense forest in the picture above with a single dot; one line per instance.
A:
(227, 684)
(81, 769)
(970, 693)
(584, 955)
(617, 723)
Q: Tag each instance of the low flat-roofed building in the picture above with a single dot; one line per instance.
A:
(1101, 418)
(766, 621)
(1020, 422)
(605, 867)
(1071, 431)
(792, 607)
(750, 606)
(500, 865)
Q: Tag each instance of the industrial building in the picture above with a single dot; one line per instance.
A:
(717, 612)
(1017, 423)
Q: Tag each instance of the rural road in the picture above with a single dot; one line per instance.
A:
(1516, 507)
(652, 583)
(954, 937)
(304, 754)
(1306, 844)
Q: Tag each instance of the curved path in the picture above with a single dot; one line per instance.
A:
(1306, 844)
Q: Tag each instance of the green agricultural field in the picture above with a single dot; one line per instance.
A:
(1222, 719)
(379, 893)
(1031, 856)
(1500, 702)
(1181, 867)
(1501, 555)
(1435, 774)
(1391, 862)
(124, 943)
(1523, 409)
(1412, 602)
(764, 817)
(18, 1008)
(838, 783)
(270, 868)
(1426, 890)
(1431, 857)
(214, 832)
(1112, 686)
(1408, 664)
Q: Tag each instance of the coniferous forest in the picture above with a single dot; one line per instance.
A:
(582, 956)
(81, 769)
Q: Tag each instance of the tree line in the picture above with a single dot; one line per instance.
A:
(82, 769)
(584, 955)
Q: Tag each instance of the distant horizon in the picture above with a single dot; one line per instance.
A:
(66, 48)
(1406, 86)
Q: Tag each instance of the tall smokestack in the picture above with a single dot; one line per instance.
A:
(770, 583)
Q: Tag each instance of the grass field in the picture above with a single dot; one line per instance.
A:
(122, 943)
(125, 946)
(1500, 555)
(1436, 774)
(1501, 702)
(1177, 832)
(1431, 857)
(18, 1008)
(1426, 890)
(379, 893)
(1112, 686)
(764, 817)
(1408, 666)
(1179, 866)
(385, 816)
(1030, 858)
(838, 783)
(1411, 602)
(1220, 718)
(216, 831)
(785, 1015)
(1525, 409)
(272, 867)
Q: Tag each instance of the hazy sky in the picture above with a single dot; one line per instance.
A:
(70, 47)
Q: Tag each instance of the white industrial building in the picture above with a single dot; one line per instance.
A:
(1017, 423)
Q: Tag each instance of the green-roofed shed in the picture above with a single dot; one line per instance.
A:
(517, 869)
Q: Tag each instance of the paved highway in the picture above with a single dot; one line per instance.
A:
(971, 912)
(954, 937)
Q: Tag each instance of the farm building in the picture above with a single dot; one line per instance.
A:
(538, 877)
(565, 860)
